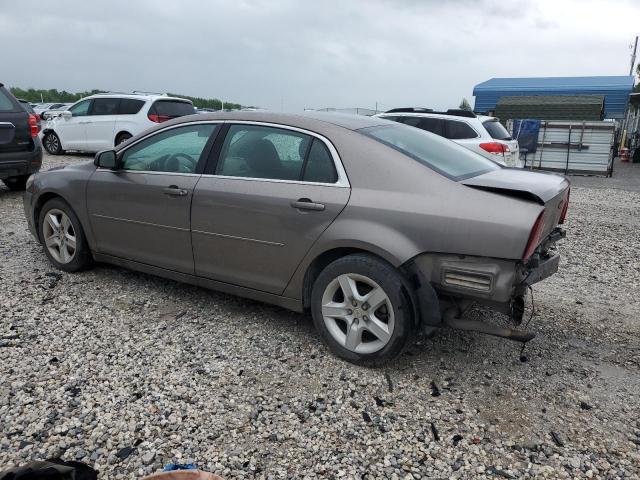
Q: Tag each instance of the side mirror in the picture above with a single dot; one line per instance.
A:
(106, 159)
(66, 114)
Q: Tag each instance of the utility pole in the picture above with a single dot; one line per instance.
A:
(633, 56)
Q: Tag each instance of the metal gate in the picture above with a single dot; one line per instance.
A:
(574, 147)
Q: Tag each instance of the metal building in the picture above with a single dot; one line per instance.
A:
(551, 107)
(615, 89)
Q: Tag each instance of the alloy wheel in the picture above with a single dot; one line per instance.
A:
(59, 235)
(358, 313)
(51, 143)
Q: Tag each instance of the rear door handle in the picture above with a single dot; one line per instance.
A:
(174, 191)
(307, 204)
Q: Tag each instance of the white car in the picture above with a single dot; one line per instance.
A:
(101, 121)
(56, 109)
(481, 134)
(40, 108)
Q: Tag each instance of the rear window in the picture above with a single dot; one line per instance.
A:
(6, 105)
(496, 130)
(439, 154)
(27, 106)
(172, 108)
(130, 106)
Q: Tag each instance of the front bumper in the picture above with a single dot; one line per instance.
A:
(27, 201)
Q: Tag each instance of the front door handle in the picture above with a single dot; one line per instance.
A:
(174, 191)
(307, 204)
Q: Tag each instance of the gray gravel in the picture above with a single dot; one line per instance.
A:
(127, 372)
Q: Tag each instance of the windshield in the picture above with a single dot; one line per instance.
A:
(496, 130)
(442, 155)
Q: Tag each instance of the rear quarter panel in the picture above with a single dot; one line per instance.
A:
(400, 208)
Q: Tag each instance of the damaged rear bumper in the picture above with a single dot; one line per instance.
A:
(497, 283)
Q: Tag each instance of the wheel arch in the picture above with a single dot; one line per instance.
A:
(42, 199)
(422, 296)
(48, 130)
(120, 133)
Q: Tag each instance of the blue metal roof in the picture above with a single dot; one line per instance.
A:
(615, 89)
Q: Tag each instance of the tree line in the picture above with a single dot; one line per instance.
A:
(35, 95)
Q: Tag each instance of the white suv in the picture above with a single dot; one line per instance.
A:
(104, 120)
(481, 134)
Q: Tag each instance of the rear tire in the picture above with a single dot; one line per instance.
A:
(16, 184)
(52, 144)
(361, 308)
(123, 137)
(62, 237)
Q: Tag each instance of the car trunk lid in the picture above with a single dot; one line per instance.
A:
(547, 189)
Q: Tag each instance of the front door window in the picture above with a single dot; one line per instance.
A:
(80, 109)
(176, 150)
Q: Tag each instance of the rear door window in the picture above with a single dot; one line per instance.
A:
(263, 152)
(433, 125)
(320, 167)
(168, 109)
(456, 130)
(105, 106)
(130, 106)
(496, 130)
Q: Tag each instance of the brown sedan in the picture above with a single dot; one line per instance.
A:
(381, 230)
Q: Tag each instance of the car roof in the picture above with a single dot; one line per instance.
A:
(135, 96)
(344, 120)
(481, 118)
(324, 123)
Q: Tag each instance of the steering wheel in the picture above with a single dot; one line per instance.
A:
(184, 156)
(159, 163)
(162, 163)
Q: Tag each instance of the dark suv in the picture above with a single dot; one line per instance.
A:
(20, 147)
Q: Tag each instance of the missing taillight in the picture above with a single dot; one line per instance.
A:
(534, 237)
(565, 207)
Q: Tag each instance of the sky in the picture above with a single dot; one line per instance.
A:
(295, 54)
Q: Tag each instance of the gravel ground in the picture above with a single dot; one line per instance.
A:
(127, 372)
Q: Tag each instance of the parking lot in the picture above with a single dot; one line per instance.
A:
(128, 372)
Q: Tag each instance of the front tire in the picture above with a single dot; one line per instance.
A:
(62, 236)
(16, 184)
(361, 308)
(52, 144)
